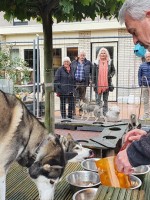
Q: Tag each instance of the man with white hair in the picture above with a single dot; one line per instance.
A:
(144, 82)
(82, 71)
(136, 15)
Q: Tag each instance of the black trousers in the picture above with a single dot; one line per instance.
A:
(80, 90)
(64, 99)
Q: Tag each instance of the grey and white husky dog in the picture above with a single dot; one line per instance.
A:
(91, 110)
(74, 147)
(24, 139)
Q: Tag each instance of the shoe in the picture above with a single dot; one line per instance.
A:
(63, 117)
(69, 117)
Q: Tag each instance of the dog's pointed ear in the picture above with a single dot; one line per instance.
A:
(48, 167)
(139, 126)
(130, 127)
(69, 155)
(57, 135)
(69, 136)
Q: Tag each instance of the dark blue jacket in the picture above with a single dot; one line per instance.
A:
(64, 83)
(87, 65)
(139, 151)
(144, 71)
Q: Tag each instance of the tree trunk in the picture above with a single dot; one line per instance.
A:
(48, 72)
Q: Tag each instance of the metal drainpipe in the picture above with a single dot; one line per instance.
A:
(38, 74)
(34, 97)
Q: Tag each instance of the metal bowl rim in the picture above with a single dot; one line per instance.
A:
(82, 164)
(140, 173)
(140, 182)
(83, 172)
(75, 194)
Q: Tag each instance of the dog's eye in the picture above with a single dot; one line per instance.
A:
(52, 181)
(77, 148)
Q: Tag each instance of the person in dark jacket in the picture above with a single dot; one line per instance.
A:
(82, 69)
(64, 87)
(102, 73)
(136, 15)
(144, 82)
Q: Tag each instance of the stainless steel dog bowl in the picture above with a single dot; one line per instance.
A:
(82, 179)
(135, 182)
(143, 169)
(85, 194)
(89, 164)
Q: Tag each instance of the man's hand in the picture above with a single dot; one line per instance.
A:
(122, 162)
(134, 135)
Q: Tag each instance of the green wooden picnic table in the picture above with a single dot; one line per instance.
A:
(20, 187)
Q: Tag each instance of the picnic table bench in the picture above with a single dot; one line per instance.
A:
(20, 187)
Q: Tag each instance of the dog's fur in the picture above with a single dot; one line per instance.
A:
(71, 146)
(25, 140)
(133, 123)
(98, 113)
(91, 110)
(113, 114)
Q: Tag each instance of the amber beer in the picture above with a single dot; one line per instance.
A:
(109, 175)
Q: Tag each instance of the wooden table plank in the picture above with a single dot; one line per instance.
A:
(115, 194)
(109, 193)
(141, 195)
(122, 193)
(98, 194)
(128, 195)
(146, 186)
(134, 195)
(103, 193)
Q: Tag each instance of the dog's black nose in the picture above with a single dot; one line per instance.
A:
(91, 153)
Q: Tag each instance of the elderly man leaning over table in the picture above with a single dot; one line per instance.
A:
(136, 15)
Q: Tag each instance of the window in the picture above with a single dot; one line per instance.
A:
(57, 57)
(14, 53)
(72, 53)
(17, 22)
(28, 57)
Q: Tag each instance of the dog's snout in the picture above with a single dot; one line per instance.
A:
(34, 170)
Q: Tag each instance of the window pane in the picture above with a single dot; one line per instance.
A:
(57, 57)
(14, 53)
(72, 53)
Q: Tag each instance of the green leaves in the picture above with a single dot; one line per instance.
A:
(67, 6)
(85, 2)
(68, 10)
